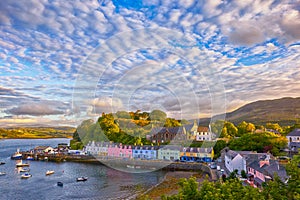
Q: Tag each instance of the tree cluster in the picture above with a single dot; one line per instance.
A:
(231, 188)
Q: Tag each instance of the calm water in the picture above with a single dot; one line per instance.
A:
(103, 182)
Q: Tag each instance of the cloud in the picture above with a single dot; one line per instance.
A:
(241, 44)
(36, 109)
(245, 34)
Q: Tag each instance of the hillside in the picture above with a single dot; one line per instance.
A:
(284, 111)
(37, 132)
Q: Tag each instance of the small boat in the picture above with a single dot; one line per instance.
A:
(82, 178)
(17, 155)
(21, 164)
(24, 170)
(2, 163)
(29, 158)
(49, 172)
(60, 184)
(26, 175)
(2, 173)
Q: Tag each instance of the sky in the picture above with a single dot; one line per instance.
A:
(65, 61)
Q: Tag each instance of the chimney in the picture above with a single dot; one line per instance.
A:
(263, 162)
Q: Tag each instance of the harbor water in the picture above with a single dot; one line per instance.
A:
(103, 182)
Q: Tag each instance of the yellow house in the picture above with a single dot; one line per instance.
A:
(194, 154)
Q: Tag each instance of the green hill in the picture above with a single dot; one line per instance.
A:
(37, 132)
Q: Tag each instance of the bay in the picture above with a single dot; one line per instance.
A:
(103, 182)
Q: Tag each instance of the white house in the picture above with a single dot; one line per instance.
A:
(49, 150)
(294, 140)
(239, 160)
(234, 160)
(97, 148)
(204, 134)
(293, 136)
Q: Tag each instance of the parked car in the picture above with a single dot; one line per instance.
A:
(213, 166)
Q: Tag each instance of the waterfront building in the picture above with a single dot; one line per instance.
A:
(125, 151)
(145, 152)
(169, 152)
(113, 150)
(43, 149)
(196, 154)
(97, 148)
(119, 150)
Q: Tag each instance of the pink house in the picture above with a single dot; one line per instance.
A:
(125, 151)
(263, 171)
(119, 150)
(113, 150)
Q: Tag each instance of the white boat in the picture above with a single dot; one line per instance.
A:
(2, 173)
(82, 178)
(21, 164)
(29, 158)
(17, 155)
(49, 172)
(26, 175)
(24, 170)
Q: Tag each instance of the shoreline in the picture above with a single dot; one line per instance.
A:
(168, 185)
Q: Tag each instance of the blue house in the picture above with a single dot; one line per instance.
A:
(144, 152)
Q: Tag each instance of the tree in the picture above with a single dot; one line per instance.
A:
(274, 126)
(243, 174)
(107, 124)
(258, 142)
(158, 115)
(171, 122)
(293, 171)
(232, 131)
(220, 144)
(245, 127)
(189, 188)
(123, 115)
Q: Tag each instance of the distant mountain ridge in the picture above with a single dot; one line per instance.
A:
(284, 111)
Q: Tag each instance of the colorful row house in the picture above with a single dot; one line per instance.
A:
(197, 154)
(145, 152)
(97, 148)
(168, 152)
(119, 150)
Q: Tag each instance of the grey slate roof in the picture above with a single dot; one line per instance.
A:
(170, 147)
(270, 170)
(295, 132)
